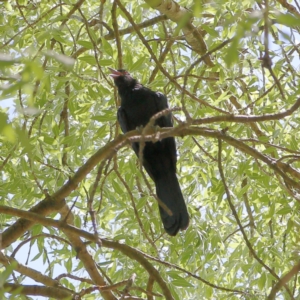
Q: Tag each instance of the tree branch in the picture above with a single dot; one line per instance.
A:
(179, 14)
(282, 282)
(248, 119)
(235, 214)
(36, 290)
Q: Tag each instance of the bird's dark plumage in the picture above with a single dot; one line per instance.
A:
(138, 105)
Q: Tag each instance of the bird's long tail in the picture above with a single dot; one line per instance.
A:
(169, 192)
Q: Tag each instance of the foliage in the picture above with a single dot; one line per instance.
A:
(94, 219)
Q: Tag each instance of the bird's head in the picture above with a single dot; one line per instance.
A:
(122, 78)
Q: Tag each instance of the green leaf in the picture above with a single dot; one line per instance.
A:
(9, 269)
(288, 20)
(106, 47)
(210, 30)
(181, 282)
(197, 9)
(89, 59)
(231, 55)
(86, 44)
(111, 116)
(284, 211)
(138, 64)
(105, 62)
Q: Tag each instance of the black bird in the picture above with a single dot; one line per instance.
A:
(138, 105)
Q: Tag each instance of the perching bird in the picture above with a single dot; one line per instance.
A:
(138, 105)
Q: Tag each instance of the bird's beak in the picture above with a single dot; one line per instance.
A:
(114, 73)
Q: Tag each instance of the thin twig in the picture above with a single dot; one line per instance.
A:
(235, 214)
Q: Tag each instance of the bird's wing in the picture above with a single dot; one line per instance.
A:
(122, 119)
(166, 121)
(161, 104)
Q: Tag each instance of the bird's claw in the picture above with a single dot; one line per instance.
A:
(156, 128)
(156, 137)
(140, 129)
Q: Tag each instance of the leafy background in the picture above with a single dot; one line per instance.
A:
(74, 200)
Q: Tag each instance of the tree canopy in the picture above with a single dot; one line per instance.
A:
(79, 215)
